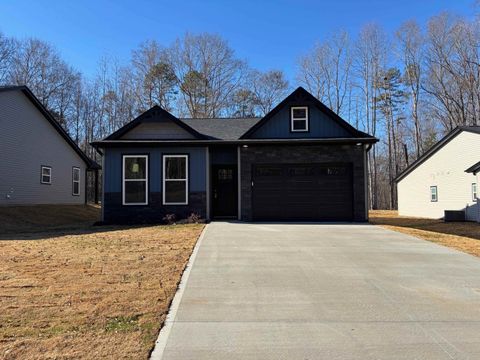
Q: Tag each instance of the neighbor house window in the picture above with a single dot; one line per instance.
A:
(46, 175)
(433, 194)
(175, 179)
(135, 180)
(474, 191)
(75, 181)
(299, 118)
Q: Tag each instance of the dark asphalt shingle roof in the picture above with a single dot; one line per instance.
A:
(222, 128)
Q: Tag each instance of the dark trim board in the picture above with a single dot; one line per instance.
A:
(282, 141)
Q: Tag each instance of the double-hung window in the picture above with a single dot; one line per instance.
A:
(299, 118)
(46, 175)
(474, 191)
(75, 181)
(433, 194)
(135, 180)
(175, 179)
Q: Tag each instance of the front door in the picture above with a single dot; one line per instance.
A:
(224, 191)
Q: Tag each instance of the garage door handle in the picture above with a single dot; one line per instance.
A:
(252, 183)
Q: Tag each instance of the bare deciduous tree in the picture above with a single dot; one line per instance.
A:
(155, 81)
(207, 73)
(6, 54)
(411, 43)
(269, 89)
(370, 60)
(326, 71)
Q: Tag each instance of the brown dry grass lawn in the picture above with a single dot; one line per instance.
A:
(92, 293)
(463, 236)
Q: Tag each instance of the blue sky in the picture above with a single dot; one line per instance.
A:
(268, 34)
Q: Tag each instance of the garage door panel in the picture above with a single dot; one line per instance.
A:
(302, 192)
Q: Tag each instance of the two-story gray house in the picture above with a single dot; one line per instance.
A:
(40, 163)
(300, 162)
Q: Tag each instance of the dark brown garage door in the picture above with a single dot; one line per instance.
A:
(311, 192)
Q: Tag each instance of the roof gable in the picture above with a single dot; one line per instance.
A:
(161, 124)
(49, 117)
(435, 148)
(324, 123)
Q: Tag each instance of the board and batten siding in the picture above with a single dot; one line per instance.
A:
(320, 125)
(28, 141)
(114, 162)
(445, 169)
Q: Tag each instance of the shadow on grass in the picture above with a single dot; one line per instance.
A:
(466, 229)
(46, 233)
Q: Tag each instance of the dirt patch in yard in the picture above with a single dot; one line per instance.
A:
(463, 236)
(91, 295)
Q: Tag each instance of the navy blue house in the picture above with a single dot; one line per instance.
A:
(300, 162)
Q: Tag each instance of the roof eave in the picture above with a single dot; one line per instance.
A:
(115, 143)
(425, 156)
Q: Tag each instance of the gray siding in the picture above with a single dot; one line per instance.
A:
(320, 126)
(157, 130)
(27, 141)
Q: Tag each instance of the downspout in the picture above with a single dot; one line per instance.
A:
(239, 183)
(365, 179)
(103, 186)
(207, 181)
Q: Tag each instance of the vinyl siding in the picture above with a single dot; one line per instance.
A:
(446, 170)
(27, 141)
(162, 130)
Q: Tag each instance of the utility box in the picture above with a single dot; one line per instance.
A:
(454, 215)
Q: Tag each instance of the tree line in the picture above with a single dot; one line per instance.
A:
(407, 88)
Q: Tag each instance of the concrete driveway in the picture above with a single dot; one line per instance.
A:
(277, 291)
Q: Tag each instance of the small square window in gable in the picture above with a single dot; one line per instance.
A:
(299, 119)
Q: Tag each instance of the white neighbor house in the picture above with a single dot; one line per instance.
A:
(443, 178)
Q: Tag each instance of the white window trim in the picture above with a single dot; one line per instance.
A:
(125, 180)
(474, 192)
(292, 119)
(75, 181)
(164, 180)
(49, 176)
(436, 193)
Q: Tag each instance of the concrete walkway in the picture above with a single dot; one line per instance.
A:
(278, 291)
